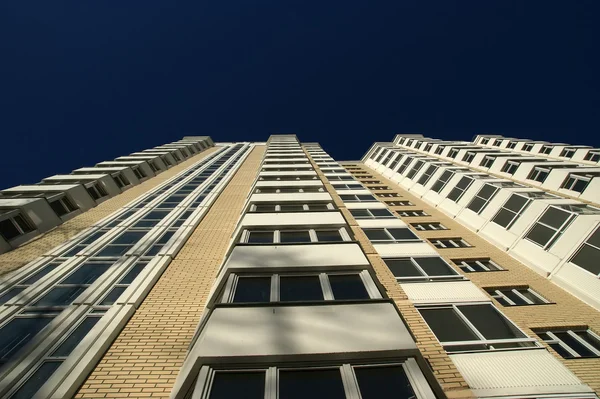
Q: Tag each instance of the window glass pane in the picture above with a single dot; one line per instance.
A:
(541, 234)
(302, 384)
(595, 238)
(476, 204)
(587, 258)
(87, 273)
(440, 320)
(329, 235)
(360, 213)
(562, 351)
(261, 237)
(76, 336)
(249, 385)
(589, 339)
(503, 217)
(486, 191)
(515, 203)
(435, 266)
(265, 208)
(17, 333)
(294, 236)
(531, 296)
(574, 344)
(402, 267)
(292, 207)
(38, 275)
(11, 294)
(114, 250)
(129, 237)
(348, 286)
(113, 295)
(554, 217)
(489, 322)
(376, 234)
(133, 273)
(379, 382)
(35, 382)
(253, 289)
(318, 207)
(514, 297)
(300, 288)
(8, 229)
(60, 296)
(402, 234)
(381, 212)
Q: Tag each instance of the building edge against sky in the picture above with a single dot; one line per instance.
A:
(211, 270)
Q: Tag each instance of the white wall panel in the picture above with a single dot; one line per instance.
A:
(520, 372)
(443, 292)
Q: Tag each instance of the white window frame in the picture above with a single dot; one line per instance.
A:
(433, 226)
(482, 340)
(464, 265)
(558, 232)
(499, 294)
(245, 235)
(424, 276)
(539, 172)
(556, 340)
(486, 201)
(391, 238)
(427, 174)
(407, 214)
(413, 373)
(438, 243)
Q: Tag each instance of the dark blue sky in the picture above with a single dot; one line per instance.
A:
(87, 81)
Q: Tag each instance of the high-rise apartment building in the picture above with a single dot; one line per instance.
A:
(429, 269)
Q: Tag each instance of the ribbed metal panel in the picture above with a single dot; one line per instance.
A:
(516, 372)
(439, 292)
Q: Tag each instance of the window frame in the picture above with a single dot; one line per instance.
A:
(558, 232)
(391, 239)
(11, 216)
(464, 264)
(417, 226)
(424, 277)
(572, 333)
(452, 240)
(245, 235)
(228, 293)
(486, 201)
(417, 380)
(498, 293)
(482, 340)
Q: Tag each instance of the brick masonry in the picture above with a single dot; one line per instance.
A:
(565, 310)
(13, 260)
(146, 357)
(446, 373)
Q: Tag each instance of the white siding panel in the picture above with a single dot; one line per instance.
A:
(293, 219)
(405, 249)
(519, 372)
(372, 223)
(443, 292)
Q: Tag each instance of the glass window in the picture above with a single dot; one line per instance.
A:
(60, 296)
(87, 273)
(260, 237)
(588, 254)
(300, 288)
(329, 236)
(226, 385)
(516, 296)
(511, 210)
(479, 324)
(460, 188)
(37, 379)
(76, 336)
(253, 289)
(477, 265)
(294, 236)
(550, 227)
(348, 286)
(482, 198)
(383, 381)
(302, 384)
(18, 332)
(421, 268)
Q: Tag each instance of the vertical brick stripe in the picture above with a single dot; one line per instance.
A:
(146, 357)
(567, 311)
(444, 370)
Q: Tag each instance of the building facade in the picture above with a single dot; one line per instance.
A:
(196, 269)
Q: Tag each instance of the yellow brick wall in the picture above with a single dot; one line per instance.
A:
(566, 310)
(448, 376)
(146, 357)
(21, 256)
